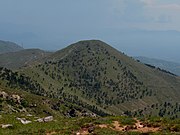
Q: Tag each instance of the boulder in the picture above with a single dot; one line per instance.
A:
(40, 120)
(45, 119)
(24, 121)
(16, 98)
(6, 125)
(3, 94)
(49, 118)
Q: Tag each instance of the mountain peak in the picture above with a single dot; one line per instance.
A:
(90, 43)
(95, 41)
(97, 77)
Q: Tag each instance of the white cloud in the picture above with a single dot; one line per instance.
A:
(169, 11)
(130, 10)
(157, 14)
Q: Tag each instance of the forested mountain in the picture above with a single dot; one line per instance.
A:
(6, 46)
(74, 86)
(21, 95)
(95, 76)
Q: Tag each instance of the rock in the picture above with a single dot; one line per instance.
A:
(93, 115)
(33, 105)
(23, 110)
(16, 98)
(40, 120)
(29, 115)
(6, 125)
(46, 119)
(78, 133)
(49, 118)
(18, 118)
(3, 94)
(24, 121)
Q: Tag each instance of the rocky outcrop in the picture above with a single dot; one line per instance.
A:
(14, 97)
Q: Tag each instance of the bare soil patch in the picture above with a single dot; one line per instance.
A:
(138, 127)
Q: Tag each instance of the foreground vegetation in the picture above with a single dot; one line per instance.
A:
(89, 125)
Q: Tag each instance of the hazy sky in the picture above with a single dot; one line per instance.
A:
(53, 24)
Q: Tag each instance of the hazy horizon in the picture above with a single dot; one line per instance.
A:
(137, 27)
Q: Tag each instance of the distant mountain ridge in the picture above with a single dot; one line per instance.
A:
(167, 65)
(22, 58)
(6, 46)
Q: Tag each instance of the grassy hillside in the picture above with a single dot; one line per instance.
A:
(26, 57)
(81, 83)
(166, 65)
(6, 46)
(97, 77)
(21, 95)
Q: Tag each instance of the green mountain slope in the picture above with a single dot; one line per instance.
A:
(96, 76)
(6, 46)
(20, 95)
(15, 60)
(167, 65)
